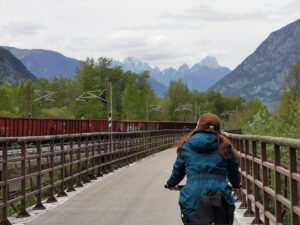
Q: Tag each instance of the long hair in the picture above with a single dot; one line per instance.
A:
(210, 123)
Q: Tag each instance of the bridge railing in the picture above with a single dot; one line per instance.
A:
(36, 168)
(270, 178)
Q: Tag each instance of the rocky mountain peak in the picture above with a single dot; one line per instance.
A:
(135, 65)
(261, 74)
(183, 67)
(209, 61)
(11, 69)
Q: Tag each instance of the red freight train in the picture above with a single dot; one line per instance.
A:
(16, 127)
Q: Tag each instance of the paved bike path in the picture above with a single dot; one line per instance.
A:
(133, 195)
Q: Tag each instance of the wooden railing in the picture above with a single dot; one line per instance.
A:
(270, 178)
(46, 167)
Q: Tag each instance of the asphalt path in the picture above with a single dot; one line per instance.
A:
(133, 195)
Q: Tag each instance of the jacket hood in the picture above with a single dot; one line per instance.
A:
(203, 142)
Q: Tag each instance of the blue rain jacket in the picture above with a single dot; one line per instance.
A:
(206, 169)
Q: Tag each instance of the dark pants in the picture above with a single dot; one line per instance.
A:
(212, 209)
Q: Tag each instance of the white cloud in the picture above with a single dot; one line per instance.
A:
(125, 39)
(141, 45)
(207, 13)
(162, 25)
(18, 28)
(290, 9)
(82, 44)
(165, 33)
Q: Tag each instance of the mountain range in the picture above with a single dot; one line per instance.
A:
(12, 70)
(207, 72)
(199, 77)
(45, 63)
(261, 75)
(49, 64)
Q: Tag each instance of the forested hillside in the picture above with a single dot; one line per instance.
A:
(133, 97)
(284, 122)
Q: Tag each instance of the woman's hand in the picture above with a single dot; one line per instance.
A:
(175, 188)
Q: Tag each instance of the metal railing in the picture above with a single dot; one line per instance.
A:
(36, 168)
(270, 178)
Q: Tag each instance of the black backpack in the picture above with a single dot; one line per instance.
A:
(212, 209)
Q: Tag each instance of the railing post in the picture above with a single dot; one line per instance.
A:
(249, 212)
(87, 163)
(117, 151)
(293, 185)
(5, 194)
(265, 182)
(51, 174)
(135, 147)
(79, 164)
(243, 196)
(106, 152)
(124, 147)
(99, 151)
(23, 212)
(62, 192)
(144, 142)
(92, 175)
(257, 219)
(39, 205)
(71, 152)
(111, 152)
(277, 184)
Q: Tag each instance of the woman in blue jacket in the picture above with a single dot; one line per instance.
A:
(210, 163)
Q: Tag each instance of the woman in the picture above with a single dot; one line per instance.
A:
(210, 163)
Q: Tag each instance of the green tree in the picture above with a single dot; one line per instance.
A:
(177, 95)
(243, 116)
(137, 95)
(5, 99)
(20, 98)
(287, 116)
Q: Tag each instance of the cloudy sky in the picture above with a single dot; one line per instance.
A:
(163, 33)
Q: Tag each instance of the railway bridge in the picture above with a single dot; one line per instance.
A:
(117, 179)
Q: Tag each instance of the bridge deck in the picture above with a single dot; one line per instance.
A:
(133, 195)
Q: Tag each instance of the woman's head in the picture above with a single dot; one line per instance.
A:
(209, 122)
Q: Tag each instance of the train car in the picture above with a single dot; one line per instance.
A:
(175, 125)
(16, 127)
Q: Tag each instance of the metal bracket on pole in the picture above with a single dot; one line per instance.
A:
(186, 107)
(98, 94)
(151, 108)
(155, 108)
(92, 94)
(46, 95)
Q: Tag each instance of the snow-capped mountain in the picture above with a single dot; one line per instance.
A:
(199, 77)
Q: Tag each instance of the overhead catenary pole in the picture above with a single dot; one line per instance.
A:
(147, 110)
(29, 94)
(110, 124)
